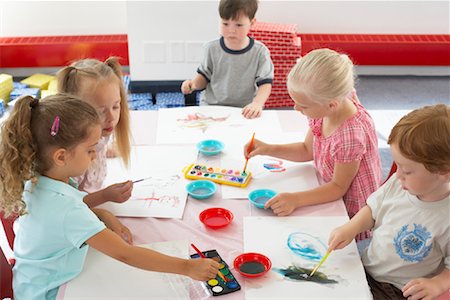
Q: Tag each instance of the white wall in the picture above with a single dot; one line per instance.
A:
(165, 37)
(41, 18)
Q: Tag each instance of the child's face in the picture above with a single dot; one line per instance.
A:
(307, 106)
(105, 98)
(236, 31)
(419, 181)
(84, 153)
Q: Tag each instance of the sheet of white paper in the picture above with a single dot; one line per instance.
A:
(106, 278)
(271, 173)
(162, 194)
(269, 236)
(267, 172)
(195, 123)
(141, 122)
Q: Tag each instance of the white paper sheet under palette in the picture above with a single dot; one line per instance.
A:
(106, 278)
(286, 176)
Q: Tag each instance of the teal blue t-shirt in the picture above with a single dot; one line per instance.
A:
(49, 247)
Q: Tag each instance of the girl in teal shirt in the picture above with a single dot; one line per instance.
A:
(43, 144)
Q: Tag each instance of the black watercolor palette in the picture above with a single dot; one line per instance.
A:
(217, 285)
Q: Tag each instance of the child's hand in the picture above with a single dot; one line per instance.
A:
(187, 87)
(202, 269)
(114, 224)
(258, 148)
(422, 288)
(340, 237)
(283, 204)
(252, 111)
(119, 192)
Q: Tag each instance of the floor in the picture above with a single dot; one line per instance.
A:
(388, 98)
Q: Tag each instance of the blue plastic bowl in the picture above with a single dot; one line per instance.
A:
(201, 189)
(210, 147)
(259, 197)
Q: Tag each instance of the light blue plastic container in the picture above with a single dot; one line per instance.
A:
(259, 197)
(201, 189)
(210, 147)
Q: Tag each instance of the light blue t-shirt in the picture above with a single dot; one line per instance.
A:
(49, 247)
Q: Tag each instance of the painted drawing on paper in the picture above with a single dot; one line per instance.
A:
(311, 249)
(195, 123)
(158, 191)
(274, 166)
(306, 246)
(295, 245)
(200, 121)
(159, 188)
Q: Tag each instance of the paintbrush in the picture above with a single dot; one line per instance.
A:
(250, 146)
(139, 180)
(203, 256)
(320, 263)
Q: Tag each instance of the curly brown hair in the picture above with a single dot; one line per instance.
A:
(27, 143)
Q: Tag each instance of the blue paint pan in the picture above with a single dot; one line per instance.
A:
(201, 189)
(210, 147)
(259, 197)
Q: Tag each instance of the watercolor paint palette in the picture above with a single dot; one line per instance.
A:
(218, 175)
(218, 286)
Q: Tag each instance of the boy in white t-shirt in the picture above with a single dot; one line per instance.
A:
(409, 255)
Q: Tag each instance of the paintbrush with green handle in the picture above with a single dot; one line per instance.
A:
(320, 263)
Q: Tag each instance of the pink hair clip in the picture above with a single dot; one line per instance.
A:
(55, 126)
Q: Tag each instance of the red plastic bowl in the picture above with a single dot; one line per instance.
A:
(216, 217)
(258, 260)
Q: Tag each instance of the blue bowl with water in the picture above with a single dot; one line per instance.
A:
(259, 197)
(210, 147)
(201, 189)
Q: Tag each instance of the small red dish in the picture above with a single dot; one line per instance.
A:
(252, 264)
(216, 217)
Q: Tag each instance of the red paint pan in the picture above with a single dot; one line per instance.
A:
(216, 217)
(252, 264)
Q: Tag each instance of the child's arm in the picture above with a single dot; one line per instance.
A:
(343, 235)
(254, 109)
(298, 152)
(284, 203)
(114, 224)
(110, 244)
(428, 288)
(119, 192)
(198, 83)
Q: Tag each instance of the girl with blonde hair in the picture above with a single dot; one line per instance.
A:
(100, 84)
(341, 139)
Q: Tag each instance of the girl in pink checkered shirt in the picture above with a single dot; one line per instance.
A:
(341, 139)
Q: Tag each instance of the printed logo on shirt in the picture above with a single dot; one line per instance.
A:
(412, 245)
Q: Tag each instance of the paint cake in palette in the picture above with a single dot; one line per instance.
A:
(218, 175)
(225, 283)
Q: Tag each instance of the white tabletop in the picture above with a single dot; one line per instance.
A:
(227, 241)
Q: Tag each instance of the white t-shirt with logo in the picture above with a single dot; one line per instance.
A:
(411, 238)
